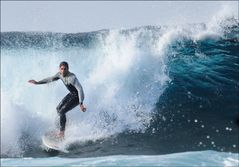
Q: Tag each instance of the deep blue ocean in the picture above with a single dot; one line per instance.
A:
(155, 95)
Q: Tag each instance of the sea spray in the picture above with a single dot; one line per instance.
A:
(121, 81)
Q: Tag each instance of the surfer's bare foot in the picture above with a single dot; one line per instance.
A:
(61, 135)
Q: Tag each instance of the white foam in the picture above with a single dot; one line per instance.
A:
(200, 158)
(121, 82)
(214, 28)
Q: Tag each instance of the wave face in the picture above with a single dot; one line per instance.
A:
(150, 90)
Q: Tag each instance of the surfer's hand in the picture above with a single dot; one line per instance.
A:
(32, 81)
(82, 107)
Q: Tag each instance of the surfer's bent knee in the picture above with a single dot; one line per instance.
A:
(60, 111)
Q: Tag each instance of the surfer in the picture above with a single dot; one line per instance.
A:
(72, 99)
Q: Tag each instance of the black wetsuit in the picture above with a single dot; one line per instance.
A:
(72, 99)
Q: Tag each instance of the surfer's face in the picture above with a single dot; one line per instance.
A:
(63, 70)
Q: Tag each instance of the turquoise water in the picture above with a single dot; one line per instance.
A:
(201, 158)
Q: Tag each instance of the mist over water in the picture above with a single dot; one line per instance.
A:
(134, 82)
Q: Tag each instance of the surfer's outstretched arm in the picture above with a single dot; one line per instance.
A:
(46, 80)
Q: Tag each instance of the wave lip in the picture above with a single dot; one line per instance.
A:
(226, 28)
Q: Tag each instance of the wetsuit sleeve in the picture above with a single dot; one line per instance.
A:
(79, 88)
(49, 79)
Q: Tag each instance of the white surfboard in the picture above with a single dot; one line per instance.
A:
(50, 141)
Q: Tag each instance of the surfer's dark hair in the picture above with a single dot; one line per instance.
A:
(64, 63)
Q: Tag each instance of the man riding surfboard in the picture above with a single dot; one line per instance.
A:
(72, 99)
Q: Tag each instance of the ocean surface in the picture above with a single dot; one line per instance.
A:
(155, 96)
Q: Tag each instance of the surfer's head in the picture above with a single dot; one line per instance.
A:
(64, 68)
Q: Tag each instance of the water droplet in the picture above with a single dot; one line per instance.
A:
(164, 119)
(153, 130)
